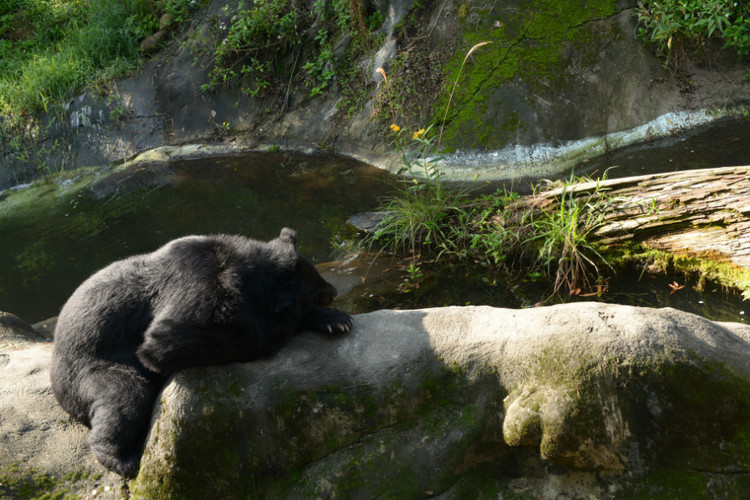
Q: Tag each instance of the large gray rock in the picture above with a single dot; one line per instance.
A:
(574, 401)
(584, 400)
(15, 332)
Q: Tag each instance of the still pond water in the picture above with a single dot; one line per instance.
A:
(47, 249)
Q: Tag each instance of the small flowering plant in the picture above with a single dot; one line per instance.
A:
(424, 213)
(418, 155)
(420, 214)
(418, 150)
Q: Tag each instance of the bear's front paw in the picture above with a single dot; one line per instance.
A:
(332, 321)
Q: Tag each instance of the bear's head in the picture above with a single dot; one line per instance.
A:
(310, 288)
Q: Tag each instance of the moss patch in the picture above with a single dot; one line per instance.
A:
(257, 452)
(532, 42)
(706, 268)
(689, 415)
(686, 485)
(34, 485)
(676, 411)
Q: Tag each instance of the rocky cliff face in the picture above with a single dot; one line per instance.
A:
(560, 82)
(572, 401)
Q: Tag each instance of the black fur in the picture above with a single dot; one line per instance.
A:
(198, 300)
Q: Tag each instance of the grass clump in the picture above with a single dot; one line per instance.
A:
(52, 49)
(562, 234)
(424, 212)
(549, 233)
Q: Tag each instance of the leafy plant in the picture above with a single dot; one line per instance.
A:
(259, 35)
(180, 9)
(497, 228)
(676, 24)
(267, 36)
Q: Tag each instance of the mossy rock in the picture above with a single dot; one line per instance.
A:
(462, 401)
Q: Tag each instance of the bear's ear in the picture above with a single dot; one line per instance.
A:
(289, 235)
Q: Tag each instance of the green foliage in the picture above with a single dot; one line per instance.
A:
(675, 24)
(356, 88)
(497, 232)
(51, 49)
(546, 233)
(259, 36)
(180, 9)
(267, 38)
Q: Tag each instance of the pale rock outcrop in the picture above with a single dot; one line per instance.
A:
(41, 449)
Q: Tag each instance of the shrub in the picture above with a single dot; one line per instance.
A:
(267, 37)
(675, 25)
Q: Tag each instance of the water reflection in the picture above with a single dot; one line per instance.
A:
(724, 143)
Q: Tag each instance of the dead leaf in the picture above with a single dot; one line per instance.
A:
(675, 286)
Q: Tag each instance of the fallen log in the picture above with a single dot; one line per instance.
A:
(699, 212)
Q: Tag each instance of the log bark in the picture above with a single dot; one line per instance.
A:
(699, 212)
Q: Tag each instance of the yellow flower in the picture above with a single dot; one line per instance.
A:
(395, 127)
(418, 133)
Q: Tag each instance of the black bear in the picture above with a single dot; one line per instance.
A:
(196, 301)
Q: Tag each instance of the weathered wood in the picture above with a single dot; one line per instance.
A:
(699, 212)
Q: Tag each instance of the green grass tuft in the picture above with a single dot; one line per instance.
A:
(52, 49)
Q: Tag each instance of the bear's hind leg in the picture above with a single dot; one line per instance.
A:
(120, 415)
